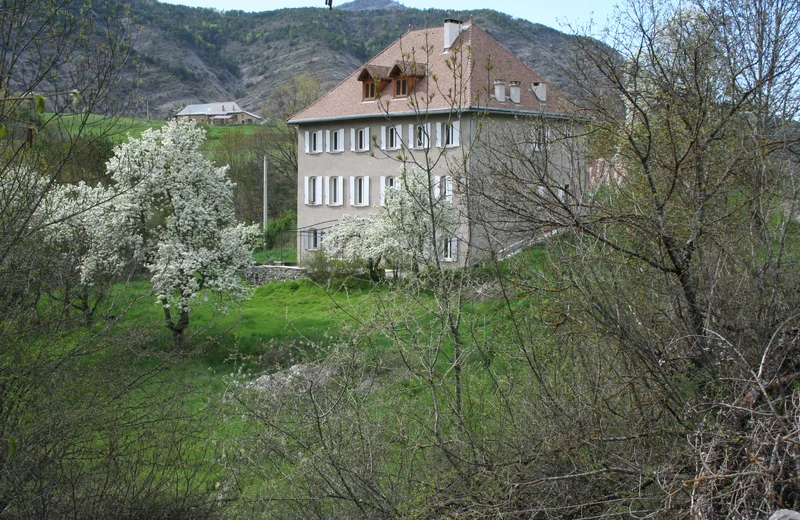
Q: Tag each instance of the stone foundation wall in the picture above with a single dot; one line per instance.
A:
(263, 274)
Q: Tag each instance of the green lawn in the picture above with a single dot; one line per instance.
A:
(118, 128)
(115, 128)
(280, 324)
(215, 133)
(286, 323)
(276, 255)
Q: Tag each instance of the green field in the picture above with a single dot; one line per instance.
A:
(118, 128)
(115, 128)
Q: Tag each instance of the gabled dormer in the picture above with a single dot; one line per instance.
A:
(405, 75)
(374, 79)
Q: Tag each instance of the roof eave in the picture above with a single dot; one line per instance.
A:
(436, 111)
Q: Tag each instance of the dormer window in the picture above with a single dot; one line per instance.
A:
(406, 74)
(373, 79)
(369, 90)
(401, 87)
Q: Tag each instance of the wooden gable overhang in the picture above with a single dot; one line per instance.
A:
(375, 74)
(410, 71)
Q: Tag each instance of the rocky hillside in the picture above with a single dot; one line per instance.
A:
(195, 55)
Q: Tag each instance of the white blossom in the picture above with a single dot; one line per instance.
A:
(168, 208)
(406, 229)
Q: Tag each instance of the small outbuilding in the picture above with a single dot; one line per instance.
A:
(224, 113)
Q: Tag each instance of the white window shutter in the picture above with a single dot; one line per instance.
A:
(307, 136)
(305, 189)
(411, 137)
(427, 135)
(305, 239)
(326, 184)
(367, 138)
(383, 138)
(318, 189)
(366, 191)
(398, 136)
(456, 132)
(454, 248)
(340, 188)
(438, 135)
(383, 191)
(352, 190)
(341, 140)
(436, 181)
(352, 139)
(448, 187)
(327, 140)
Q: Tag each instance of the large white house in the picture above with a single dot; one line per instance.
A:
(426, 99)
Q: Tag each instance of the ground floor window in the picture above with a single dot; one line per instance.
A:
(450, 249)
(312, 239)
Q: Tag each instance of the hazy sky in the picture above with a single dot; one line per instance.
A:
(551, 13)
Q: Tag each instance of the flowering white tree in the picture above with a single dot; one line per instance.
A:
(75, 217)
(408, 230)
(173, 211)
(168, 209)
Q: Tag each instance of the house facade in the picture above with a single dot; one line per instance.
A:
(224, 113)
(425, 100)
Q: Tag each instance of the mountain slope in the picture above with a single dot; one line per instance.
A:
(195, 55)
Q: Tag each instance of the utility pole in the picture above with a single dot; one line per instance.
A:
(266, 218)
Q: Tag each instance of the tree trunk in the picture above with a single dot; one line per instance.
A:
(176, 328)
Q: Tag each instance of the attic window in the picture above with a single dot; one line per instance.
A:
(401, 87)
(369, 90)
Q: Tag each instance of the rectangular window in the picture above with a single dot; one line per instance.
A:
(312, 239)
(314, 142)
(313, 191)
(337, 141)
(386, 183)
(369, 90)
(401, 87)
(450, 249)
(362, 140)
(359, 191)
(420, 137)
(538, 138)
(448, 134)
(443, 187)
(391, 139)
(335, 191)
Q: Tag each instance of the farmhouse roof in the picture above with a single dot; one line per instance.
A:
(215, 109)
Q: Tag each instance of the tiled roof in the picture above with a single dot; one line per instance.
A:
(212, 109)
(462, 77)
(409, 68)
(370, 71)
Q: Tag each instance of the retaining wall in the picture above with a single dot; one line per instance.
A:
(263, 274)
